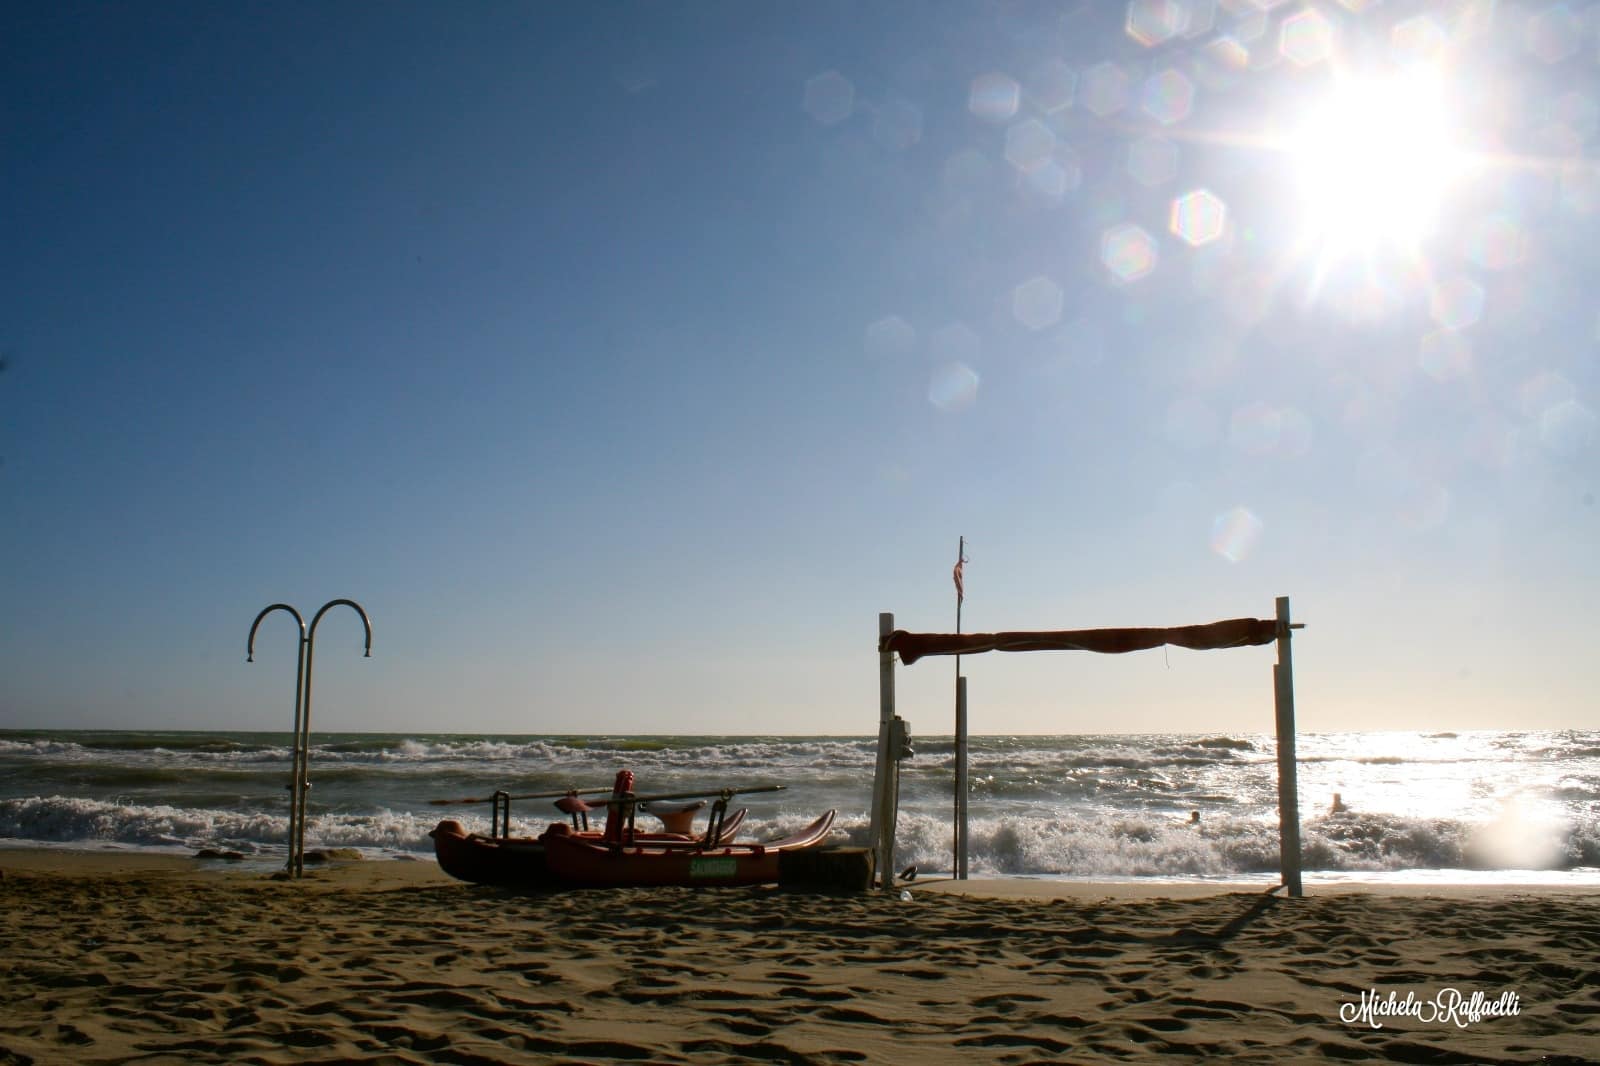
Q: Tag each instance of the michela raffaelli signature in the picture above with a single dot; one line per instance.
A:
(1448, 1005)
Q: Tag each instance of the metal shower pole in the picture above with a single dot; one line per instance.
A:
(299, 781)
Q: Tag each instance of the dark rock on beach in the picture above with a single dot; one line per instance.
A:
(333, 855)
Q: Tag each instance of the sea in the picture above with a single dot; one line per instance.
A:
(1449, 807)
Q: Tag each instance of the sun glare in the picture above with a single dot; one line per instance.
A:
(1375, 158)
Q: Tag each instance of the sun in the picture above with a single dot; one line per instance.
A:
(1375, 158)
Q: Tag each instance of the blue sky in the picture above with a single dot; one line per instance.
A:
(625, 361)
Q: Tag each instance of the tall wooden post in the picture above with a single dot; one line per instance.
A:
(1288, 785)
(880, 834)
(961, 779)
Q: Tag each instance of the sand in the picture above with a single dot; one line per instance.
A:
(115, 958)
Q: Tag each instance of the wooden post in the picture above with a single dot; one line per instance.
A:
(961, 779)
(880, 835)
(1288, 786)
(958, 844)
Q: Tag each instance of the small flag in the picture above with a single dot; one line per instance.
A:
(961, 592)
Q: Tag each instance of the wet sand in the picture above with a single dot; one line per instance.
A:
(107, 957)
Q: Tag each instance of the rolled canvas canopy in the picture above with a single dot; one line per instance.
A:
(1231, 633)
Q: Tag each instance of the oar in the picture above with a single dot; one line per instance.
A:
(631, 799)
(696, 795)
(528, 796)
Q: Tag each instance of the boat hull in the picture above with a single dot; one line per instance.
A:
(519, 862)
(596, 864)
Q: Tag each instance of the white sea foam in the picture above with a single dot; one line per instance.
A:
(1047, 806)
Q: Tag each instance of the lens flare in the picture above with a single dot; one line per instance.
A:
(1307, 38)
(994, 97)
(1037, 302)
(1235, 533)
(1128, 251)
(954, 387)
(829, 97)
(1168, 97)
(1103, 88)
(1029, 145)
(1155, 22)
(1198, 217)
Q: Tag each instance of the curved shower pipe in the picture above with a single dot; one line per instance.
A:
(300, 782)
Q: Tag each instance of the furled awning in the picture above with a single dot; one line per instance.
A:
(1232, 633)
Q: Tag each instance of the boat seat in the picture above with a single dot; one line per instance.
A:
(676, 817)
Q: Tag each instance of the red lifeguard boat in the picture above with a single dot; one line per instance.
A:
(619, 854)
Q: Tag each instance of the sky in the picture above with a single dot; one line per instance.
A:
(625, 361)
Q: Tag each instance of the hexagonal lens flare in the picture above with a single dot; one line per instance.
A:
(994, 97)
(1235, 534)
(1168, 97)
(897, 124)
(1052, 86)
(1128, 251)
(1306, 38)
(1153, 22)
(954, 387)
(1103, 88)
(1198, 217)
(1036, 303)
(1496, 242)
(1029, 145)
(1554, 34)
(829, 97)
(1419, 39)
(1457, 303)
(890, 335)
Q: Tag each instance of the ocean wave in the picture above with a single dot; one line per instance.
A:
(1382, 760)
(1168, 845)
(1225, 742)
(38, 747)
(62, 819)
(1122, 844)
(66, 820)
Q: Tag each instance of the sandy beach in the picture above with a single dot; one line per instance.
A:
(108, 957)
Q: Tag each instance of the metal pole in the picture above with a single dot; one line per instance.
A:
(958, 849)
(881, 832)
(295, 769)
(962, 838)
(303, 779)
(1288, 786)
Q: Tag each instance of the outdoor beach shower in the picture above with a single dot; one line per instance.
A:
(299, 781)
